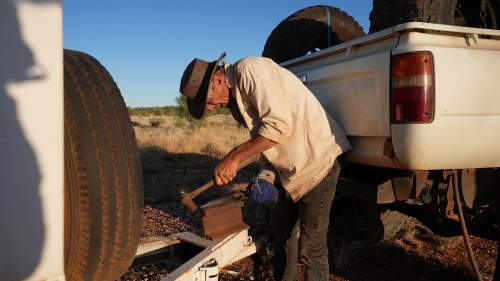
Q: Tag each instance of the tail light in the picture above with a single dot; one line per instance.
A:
(412, 88)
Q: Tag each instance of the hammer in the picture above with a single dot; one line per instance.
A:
(187, 197)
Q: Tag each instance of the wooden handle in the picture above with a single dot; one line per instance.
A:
(210, 183)
(202, 188)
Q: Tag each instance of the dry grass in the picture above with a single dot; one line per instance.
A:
(178, 154)
(215, 136)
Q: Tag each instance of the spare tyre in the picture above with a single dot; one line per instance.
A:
(387, 13)
(470, 13)
(102, 178)
(308, 30)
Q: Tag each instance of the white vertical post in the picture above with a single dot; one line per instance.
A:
(31, 140)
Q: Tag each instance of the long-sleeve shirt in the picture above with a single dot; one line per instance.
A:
(275, 104)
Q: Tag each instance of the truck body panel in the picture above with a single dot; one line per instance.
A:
(353, 82)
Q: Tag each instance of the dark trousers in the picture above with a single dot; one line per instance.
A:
(299, 230)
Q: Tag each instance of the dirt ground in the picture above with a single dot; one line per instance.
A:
(412, 253)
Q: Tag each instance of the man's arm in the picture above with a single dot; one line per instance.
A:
(226, 170)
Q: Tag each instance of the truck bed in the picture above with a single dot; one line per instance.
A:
(352, 82)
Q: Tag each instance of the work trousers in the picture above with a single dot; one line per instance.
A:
(300, 229)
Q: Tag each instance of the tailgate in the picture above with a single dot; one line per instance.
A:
(465, 132)
(352, 82)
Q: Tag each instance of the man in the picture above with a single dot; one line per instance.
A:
(289, 127)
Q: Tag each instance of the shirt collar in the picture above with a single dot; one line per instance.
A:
(230, 75)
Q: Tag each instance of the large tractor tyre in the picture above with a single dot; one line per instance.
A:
(387, 13)
(308, 30)
(103, 176)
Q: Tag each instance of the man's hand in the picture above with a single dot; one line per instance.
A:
(226, 170)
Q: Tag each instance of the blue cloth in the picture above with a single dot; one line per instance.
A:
(262, 191)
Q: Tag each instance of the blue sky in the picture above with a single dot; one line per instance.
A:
(147, 44)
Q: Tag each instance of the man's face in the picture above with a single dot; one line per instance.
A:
(218, 94)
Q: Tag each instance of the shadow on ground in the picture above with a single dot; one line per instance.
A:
(165, 173)
(372, 242)
(383, 260)
(410, 255)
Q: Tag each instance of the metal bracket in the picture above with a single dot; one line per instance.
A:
(302, 77)
(209, 271)
(443, 196)
(194, 239)
(472, 38)
(328, 27)
(223, 252)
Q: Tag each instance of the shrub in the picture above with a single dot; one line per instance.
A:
(155, 122)
(155, 111)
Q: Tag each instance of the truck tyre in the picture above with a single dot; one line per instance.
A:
(387, 13)
(103, 177)
(468, 13)
(310, 29)
(393, 222)
(353, 219)
(384, 14)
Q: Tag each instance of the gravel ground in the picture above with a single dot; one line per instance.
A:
(415, 253)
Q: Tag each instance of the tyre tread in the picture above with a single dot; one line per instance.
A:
(304, 29)
(388, 13)
(117, 222)
(105, 205)
(81, 244)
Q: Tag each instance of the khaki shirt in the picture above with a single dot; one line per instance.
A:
(275, 104)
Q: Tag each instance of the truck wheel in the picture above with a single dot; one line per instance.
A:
(393, 222)
(387, 13)
(357, 226)
(354, 219)
(103, 177)
(310, 29)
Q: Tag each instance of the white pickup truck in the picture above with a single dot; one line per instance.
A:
(419, 99)
(419, 102)
(412, 99)
(418, 96)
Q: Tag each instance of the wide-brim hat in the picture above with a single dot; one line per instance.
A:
(196, 81)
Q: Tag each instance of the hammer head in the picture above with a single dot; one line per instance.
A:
(187, 201)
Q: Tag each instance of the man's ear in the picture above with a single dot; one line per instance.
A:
(219, 74)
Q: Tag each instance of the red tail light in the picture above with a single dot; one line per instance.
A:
(412, 88)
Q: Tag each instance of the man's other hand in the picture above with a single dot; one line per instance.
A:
(225, 171)
(262, 191)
